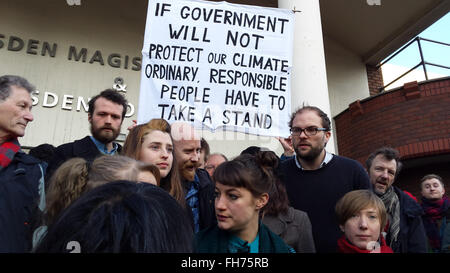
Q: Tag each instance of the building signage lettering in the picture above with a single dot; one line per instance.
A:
(44, 48)
(69, 102)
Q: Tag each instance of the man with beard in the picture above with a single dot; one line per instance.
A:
(198, 186)
(405, 230)
(106, 113)
(315, 179)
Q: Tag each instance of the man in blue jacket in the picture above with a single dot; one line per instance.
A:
(21, 175)
(405, 232)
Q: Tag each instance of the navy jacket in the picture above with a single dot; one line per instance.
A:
(19, 200)
(207, 214)
(83, 148)
(412, 237)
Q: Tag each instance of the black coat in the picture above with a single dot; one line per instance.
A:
(207, 214)
(412, 237)
(83, 148)
(19, 199)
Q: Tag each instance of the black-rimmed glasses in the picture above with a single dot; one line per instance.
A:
(309, 131)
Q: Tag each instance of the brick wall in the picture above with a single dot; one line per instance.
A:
(414, 119)
(375, 79)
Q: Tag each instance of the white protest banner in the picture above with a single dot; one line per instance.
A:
(218, 66)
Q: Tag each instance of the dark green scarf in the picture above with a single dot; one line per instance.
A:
(215, 240)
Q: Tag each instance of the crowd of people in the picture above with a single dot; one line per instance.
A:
(164, 191)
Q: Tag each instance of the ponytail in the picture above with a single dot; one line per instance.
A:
(278, 199)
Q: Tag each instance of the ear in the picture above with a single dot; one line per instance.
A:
(327, 136)
(262, 201)
(89, 117)
(341, 227)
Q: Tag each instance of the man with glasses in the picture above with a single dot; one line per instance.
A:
(315, 179)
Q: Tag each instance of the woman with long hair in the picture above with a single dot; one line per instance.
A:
(152, 143)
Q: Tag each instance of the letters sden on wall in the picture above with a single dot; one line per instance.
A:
(38, 48)
(50, 100)
(44, 48)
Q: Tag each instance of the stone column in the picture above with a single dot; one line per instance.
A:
(309, 77)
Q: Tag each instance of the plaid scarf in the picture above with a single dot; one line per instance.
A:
(392, 204)
(8, 150)
(434, 211)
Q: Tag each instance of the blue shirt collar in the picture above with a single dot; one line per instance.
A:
(102, 147)
(328, 157)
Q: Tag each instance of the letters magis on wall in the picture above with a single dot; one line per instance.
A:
(218, 66)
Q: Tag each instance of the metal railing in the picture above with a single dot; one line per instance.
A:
(422, 63)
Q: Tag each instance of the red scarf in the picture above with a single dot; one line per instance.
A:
(344, 246)
(8, 150)
(434, 211)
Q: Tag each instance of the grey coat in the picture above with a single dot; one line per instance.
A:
(294, 228)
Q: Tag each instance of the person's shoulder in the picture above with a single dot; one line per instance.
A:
(29, 166)
(83, 141)
(207, 240)
(408, 205)
(207, 231)
(67, 145)
(71, 149)
(287, 163)
(203, 176)
(27, 159)
(345, 160)
(298, 217)
(297, 214)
